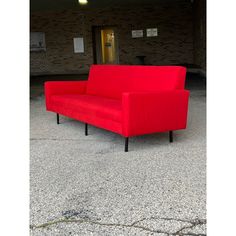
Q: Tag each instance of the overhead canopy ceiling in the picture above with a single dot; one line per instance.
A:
(49, 5)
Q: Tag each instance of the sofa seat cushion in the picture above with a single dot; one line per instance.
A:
(89, 105)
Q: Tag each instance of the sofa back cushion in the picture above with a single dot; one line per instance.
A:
(112, 80)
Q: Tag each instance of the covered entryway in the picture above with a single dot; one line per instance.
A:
(88, 185)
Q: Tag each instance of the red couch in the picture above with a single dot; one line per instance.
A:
(128, 100)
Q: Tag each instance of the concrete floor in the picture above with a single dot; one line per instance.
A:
(89, 186)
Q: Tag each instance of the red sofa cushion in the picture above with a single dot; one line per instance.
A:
(93, 106)
(112, 80)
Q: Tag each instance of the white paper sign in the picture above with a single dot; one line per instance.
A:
(137, 33)
(153, 32)
(78, 45)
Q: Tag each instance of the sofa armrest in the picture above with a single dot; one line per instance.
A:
(63, 87)
(150, 112)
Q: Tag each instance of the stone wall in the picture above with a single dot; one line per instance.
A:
(174, 45)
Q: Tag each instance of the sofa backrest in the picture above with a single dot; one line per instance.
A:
(112, 80)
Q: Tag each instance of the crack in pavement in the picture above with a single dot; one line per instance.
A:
(193, 223)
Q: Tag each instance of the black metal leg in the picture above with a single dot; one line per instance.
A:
(126, 144)
(171, 136)
(86, 129)
(58, 119)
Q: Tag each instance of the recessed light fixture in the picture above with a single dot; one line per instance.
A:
(83, 2)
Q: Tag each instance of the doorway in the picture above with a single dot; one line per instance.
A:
(105, 45)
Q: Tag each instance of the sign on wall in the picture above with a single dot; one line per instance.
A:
(152, 32)
(137, 33)
(78, 45)
(37, 41)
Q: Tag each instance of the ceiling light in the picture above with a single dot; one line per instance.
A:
(83, 2)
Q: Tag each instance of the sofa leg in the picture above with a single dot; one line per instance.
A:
(126, 144)
(86, 129)
(171, 136)
(58, 119)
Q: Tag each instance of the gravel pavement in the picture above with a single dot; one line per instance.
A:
(87, 185)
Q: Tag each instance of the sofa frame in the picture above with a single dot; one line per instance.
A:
(151, 98)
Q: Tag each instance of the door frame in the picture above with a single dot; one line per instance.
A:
(96, 41)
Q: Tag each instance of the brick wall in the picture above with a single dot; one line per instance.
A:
(200, 33)
(174, 45)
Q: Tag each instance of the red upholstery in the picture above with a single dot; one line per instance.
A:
(129, 100)
(151, 112)
(90, 105)
(63, 87)
(112, 80)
